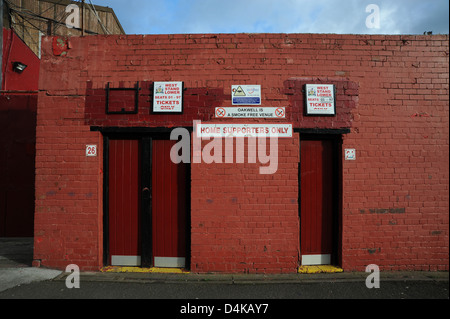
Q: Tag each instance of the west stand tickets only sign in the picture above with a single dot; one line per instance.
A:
(320, 99)
(168, 97)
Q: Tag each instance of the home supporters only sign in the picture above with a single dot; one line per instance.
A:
(264, 130)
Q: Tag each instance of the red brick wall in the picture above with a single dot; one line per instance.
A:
(243, 221)
(69, 185)
(396, 192)
(392, 94)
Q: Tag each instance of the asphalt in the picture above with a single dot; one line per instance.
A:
(19, 280)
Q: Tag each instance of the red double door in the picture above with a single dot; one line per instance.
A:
(318, 201)
(147, 208)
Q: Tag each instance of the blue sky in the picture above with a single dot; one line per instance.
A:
(279, 16)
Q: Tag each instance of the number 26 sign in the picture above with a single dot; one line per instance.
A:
(91, 150)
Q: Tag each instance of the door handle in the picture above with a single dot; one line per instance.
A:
(146, 192)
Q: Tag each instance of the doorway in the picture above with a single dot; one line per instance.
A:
(146, 195)
(319, 199)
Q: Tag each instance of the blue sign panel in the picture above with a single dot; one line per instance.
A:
(246, 100)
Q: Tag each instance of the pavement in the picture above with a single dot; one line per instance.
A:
(172, 278)
(19, 280)
(16, 255)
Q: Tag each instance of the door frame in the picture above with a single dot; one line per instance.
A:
(335, 136)
(145, 136)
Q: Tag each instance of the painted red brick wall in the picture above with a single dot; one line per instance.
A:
(243, 221)
(392, 95)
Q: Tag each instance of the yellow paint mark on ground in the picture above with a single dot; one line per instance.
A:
(144, 270)
(319, 269)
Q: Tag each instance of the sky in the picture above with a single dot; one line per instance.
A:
(281, 16)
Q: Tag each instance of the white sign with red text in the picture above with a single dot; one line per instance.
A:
(320, 99)
(91, 150)
(168, 97)
(243, 130)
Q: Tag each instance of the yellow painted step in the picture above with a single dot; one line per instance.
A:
(144, 270)
(319, 269)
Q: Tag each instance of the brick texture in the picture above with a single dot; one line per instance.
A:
(392, 95)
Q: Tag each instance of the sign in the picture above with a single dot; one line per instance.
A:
(246, 94)
(251, 112)
(91, 150)
(350, 154)
(243, 130)
(320, 99)
(168, 97)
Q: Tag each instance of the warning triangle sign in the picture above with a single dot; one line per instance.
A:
(239, 92)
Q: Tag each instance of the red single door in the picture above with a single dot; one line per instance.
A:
(316, 208)
(168, 207)
(124, 203)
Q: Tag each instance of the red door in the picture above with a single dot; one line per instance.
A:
(316, 208)
(168, 207)
(133, 212)
(124, 203)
